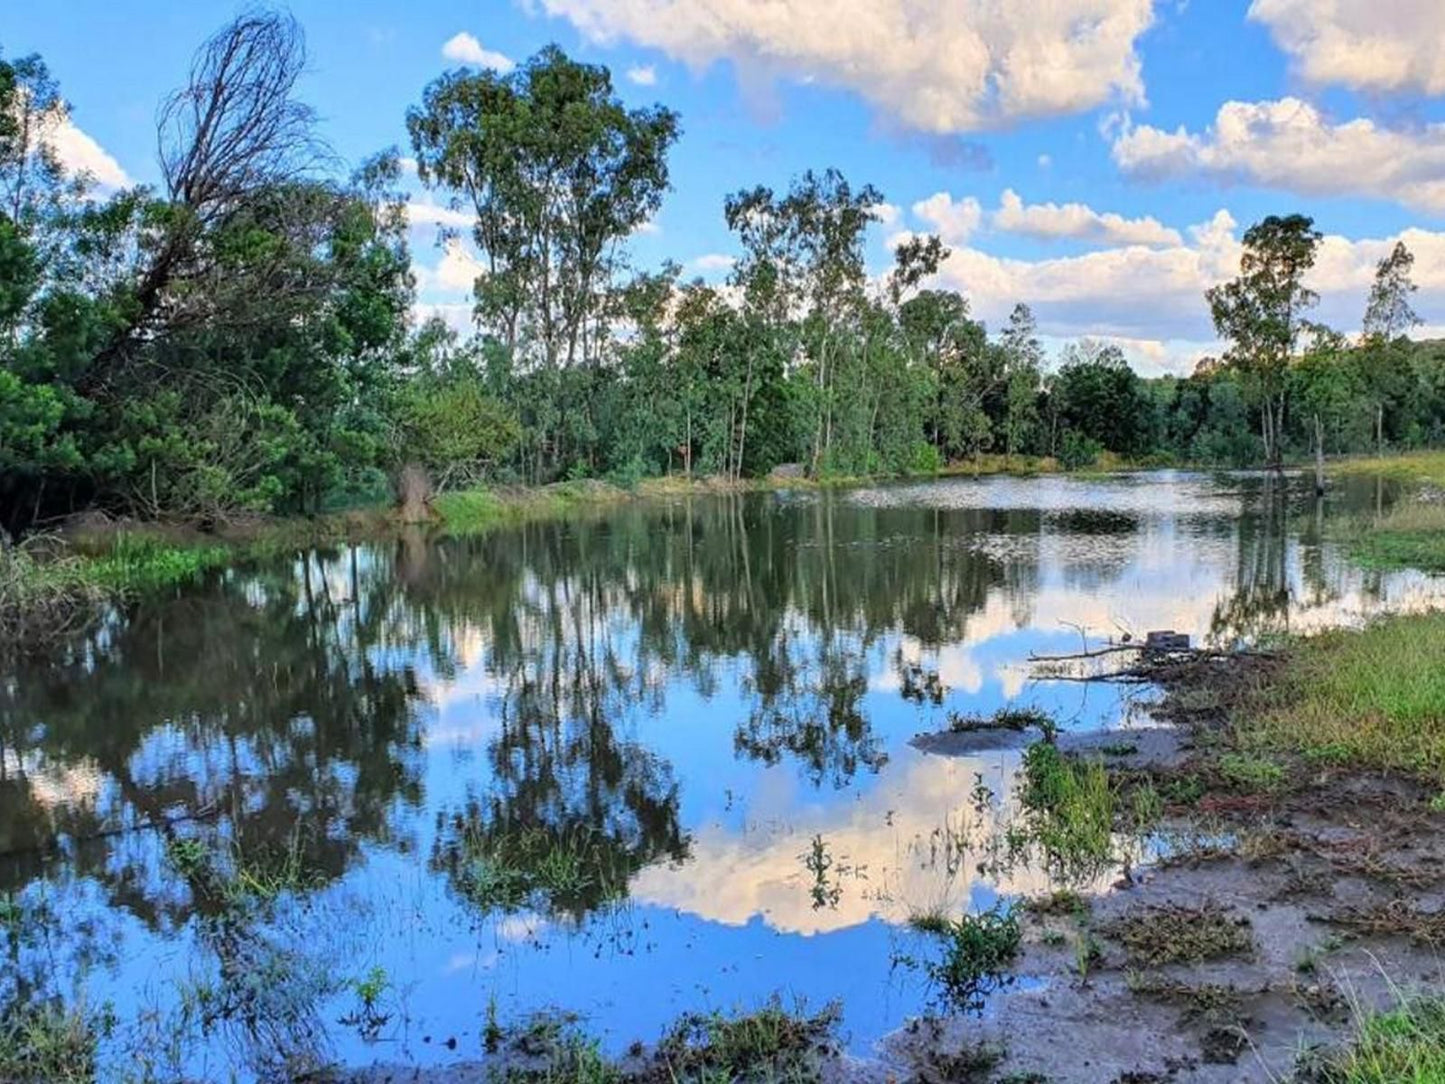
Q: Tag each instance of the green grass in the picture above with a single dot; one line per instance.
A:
(1405, 1045)
(1072, 805)
(1372, 698)
(49, 1044)
(1410, 535)
(138, 564)
(1412, 467)
(769, 1044)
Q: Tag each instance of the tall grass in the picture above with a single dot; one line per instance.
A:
(44, 593)
(1412, 467)
(1373, 698)
(1405, 1045)
(1410, 535)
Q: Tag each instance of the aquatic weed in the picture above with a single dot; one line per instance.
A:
(977, 952)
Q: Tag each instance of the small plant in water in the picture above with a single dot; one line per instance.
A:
(977, 952)
(367, 1017)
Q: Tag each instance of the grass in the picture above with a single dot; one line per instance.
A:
(977, 952)
(1410, 535)
(1372, 698)
(1405, 1045)
(44, 594)
(771, 1043)
(49, 1044)
(1414, 467)
(1006, 718)
(1071, 806)
(517, 869)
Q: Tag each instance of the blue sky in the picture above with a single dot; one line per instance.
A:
(1098, 159)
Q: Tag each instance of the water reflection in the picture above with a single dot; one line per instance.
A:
(674, 736)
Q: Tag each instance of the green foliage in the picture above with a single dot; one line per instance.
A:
(455, 429)
(977, 952)
(1404, 1045)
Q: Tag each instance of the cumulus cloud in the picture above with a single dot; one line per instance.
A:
(1380, 45)
(887, 214)
(644, 75)
(466, 49)
(456, 271)
(1078, 221)
(953, 220)
(962, 66)
(1290, 144)
(1150, 299)
(80, 154)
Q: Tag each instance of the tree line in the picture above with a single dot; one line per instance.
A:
(239, 338)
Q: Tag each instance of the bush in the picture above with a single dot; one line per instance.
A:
(1078, 451)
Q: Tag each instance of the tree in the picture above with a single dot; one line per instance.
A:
(1023, 359)
(802, 277)
(1388, 318)
(557, 172)
(1101, 399)
(1328, 390)
(1261, 313)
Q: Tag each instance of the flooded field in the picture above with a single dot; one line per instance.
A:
(362, 805)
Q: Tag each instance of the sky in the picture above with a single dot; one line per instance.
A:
(1097, 159)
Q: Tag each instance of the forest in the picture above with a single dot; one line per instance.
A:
(239, 338)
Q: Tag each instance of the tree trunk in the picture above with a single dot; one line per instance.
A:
(1379, 428)
(1319, 457)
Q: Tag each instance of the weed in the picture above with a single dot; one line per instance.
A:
(818, 862)
(1062, 901)
(769, 1044)
(1071, 806)
(49, 1043)
(368, 1018)
(1016, 719)
(1251, 772)
(977, 951)
(1172, 933)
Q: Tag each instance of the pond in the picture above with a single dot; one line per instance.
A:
(353, 805)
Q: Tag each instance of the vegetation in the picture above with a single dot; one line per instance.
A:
(977, 952)
(1373, 698)
(1405, 1045)
(237, 340)
(1171, 933)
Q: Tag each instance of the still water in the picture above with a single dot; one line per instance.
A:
(347, 806)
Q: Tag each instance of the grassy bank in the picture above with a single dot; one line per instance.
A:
(1420, 468)
(1371, 699)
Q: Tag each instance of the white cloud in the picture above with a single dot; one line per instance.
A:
(425, 212)
(1289, 144)
(456, 271)
(79, 153)
(953, 220)
(1380, 45)
(466, 49)
(713, 261)
(1151, 299)
(1045, 161)
(1079, 222)
(887, 214)
(961, 66)
(644, 75)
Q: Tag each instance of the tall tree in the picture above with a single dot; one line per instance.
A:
(1261, 313)
(1388, 318)
(558, 173)
(1023, 360)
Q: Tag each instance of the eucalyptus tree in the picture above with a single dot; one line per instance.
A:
(557, 173)
(1261, 314)
(802, 277)
(1389, 316)
(1022, 364)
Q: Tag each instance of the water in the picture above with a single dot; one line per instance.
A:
(643, 763)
